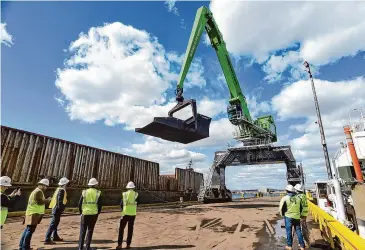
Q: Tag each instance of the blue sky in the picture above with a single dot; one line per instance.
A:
(44, 90)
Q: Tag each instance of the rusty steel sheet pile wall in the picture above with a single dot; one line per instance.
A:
(26, 157)
(168, 183)
(188, 180)
(198, 180)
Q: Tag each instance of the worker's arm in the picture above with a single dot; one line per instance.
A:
(39, 198)
(60, 195)
(137, 200)
(99, 204)
(282, 206)
(7, 201)
(80, 204)
(305, 211)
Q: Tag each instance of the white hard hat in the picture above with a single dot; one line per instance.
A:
(44, 182)
(93, 182)
(290, 188)
(298, 187)
(130, 185)
(5, 181)
(63, 181)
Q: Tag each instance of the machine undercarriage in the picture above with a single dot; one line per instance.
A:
(214, 188)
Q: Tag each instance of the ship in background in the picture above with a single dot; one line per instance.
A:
(342, 160)
(343, 197)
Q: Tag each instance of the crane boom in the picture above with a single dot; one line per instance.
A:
(204, 21)
(259, 131)
(238, 111)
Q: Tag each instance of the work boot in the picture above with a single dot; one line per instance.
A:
(128, 247)
(57, 238)
(119, 246)
(49, 242)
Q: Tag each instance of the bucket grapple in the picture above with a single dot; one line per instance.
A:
(173, 129)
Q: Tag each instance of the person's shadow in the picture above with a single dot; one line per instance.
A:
(140, 248)
(164, 247)
(133, 247)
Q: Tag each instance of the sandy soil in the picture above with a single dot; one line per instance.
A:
(248, 224)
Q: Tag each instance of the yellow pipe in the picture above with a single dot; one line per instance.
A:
(349, 239)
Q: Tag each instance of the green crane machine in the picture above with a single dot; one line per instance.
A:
(249, 131)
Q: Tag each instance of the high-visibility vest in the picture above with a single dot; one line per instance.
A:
(4, 213)
(304, 201)
(90, 201)
(53, 202)
(293, 206)
(129, 203)
(33, 207)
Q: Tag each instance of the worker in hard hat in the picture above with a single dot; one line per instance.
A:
(34, 213)
(303, 216)
(128, 204)
(58, 204)
(291, 208)
(90, 208)
(7, 200)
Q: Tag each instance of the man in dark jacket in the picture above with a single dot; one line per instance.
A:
(7, 201)
(58, 204)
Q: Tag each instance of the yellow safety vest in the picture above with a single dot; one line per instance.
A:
(129, 203)
(90, 201)
(4, 213)
(33, 207)
(293, 206)
(53, 202)
(304, 202)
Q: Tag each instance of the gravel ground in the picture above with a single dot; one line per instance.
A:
(246, 224)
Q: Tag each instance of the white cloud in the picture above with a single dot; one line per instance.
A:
(119, 74)
(336, 99)
(168, 154)
(256, 107)
(296, 100)
(170, 5)
(319, 32)
(6, 38)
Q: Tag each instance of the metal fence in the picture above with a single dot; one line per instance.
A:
(26, 157)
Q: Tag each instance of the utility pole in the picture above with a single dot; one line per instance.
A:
(324, 144)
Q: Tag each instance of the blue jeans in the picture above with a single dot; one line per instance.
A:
(52, 230)
(289, 222)
(24, 243)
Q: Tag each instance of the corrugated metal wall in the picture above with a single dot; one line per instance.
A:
(26, 157)
(188, 180)
(168, 183)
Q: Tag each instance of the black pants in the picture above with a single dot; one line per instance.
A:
(52, 230)
(123, 222)
(87, 224)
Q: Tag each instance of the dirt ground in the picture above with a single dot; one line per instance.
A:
(248, 224)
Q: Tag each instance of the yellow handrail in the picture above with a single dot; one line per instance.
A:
(331, 229)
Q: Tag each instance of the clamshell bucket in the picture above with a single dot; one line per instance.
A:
(176, 130)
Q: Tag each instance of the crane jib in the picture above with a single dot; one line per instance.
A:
(197, 127)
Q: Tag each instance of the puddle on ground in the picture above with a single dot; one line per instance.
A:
(278, 239)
